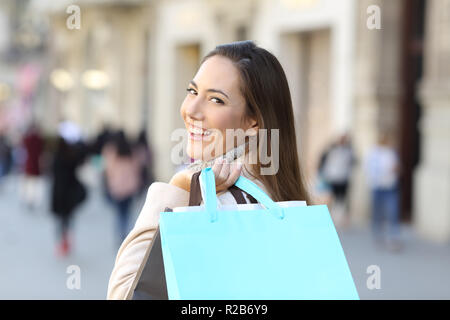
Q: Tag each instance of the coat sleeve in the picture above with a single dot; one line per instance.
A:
(132, 251)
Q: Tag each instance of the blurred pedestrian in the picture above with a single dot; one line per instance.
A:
(67, 191)
(335, 171)
(33, 144)
(5, 156)
(102, 139)
(123, 178)
(382, 167)
(144, 152)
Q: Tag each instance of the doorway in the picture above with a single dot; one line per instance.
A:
(410, 110)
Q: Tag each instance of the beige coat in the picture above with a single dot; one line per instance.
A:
(132, 251)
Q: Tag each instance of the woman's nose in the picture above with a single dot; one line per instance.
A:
(194, 109)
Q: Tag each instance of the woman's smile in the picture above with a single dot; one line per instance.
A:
(198, 133)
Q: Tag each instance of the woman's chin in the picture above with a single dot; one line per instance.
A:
(198, 154)
(194, 153)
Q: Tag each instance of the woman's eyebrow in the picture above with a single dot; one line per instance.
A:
(209, 90)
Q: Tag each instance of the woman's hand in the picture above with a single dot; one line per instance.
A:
(225, 175)
(182, 179)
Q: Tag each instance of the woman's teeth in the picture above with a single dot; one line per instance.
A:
(198, 133)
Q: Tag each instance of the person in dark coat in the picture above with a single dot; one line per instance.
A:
(335, 168)
(102, 139)
(67, 191)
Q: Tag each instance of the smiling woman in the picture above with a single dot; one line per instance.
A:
(214, 104)
(239, 87)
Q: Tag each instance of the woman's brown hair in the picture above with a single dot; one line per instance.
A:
(266, 92)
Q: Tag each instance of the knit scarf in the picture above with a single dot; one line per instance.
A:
(228, 157)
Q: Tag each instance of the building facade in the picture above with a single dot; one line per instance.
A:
(344, 76)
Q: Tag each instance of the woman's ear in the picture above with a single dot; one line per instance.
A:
(252, 128)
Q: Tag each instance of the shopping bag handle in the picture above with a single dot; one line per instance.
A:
(210, 197)
(208, 190)
(252, 189)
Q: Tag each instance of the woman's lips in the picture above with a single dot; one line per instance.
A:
(197, 133)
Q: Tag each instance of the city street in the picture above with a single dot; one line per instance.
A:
(29, 266)
(30, 269)
(420, 271)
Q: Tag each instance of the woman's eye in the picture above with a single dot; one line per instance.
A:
(216, 100)
(191, 91)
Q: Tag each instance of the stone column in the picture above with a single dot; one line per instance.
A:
(377, 92)
(432, 177)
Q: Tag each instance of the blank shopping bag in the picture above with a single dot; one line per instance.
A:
(271, 253)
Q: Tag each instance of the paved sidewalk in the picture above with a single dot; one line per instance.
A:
(29, 266)
(420, 271)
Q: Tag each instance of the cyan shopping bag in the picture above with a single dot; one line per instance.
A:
(267, 254)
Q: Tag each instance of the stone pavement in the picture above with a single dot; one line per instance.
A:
(29, 268)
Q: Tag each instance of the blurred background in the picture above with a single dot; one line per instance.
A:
(90, 88)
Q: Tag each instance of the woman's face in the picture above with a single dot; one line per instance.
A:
(213, 104)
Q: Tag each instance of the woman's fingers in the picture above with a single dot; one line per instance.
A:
(233, 174)
(217, 166)
(223, 174)
(182, 179)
